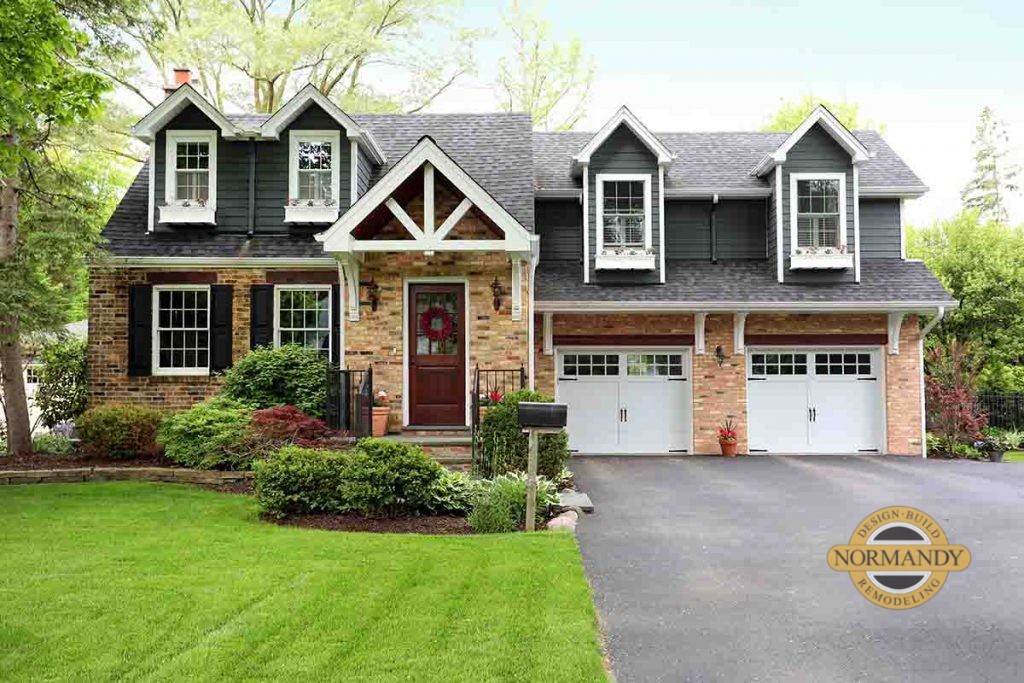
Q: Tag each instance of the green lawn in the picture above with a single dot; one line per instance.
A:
(160, 581)
(1013, 456)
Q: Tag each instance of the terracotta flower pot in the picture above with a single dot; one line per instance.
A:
(728, 448)
(380, 420)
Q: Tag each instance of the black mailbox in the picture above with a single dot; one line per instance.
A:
(542, 415)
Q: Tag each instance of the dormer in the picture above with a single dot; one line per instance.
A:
(623, 167)
(814, 178)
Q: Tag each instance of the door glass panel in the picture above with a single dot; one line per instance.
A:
(654, 364)
(762, 364)
(842, 363)
(437, 323)
(590, 365)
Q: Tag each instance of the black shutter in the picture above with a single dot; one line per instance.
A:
(140, 330)
(261, 316)
(336, 309)
(221, 327)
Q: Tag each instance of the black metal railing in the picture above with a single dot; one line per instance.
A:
(1004, 410)
(350, 400)
(489, 387)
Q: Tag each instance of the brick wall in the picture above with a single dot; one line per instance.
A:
(903, 392)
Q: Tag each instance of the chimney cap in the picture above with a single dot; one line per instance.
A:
(182, 75)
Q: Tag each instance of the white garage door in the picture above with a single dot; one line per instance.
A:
(632, 401)
(815, 401)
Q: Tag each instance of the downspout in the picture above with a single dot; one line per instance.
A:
(531, 349)
(939, 315)
(251, 229)
(714, 229)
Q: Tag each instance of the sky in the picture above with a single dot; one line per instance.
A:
(924, 70)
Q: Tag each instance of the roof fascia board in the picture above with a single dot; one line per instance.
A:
(674, 193)
(162, 114)
(337, 237)
(833, 126)
(220, 261)
(894, 192)
(624, 116)
(740, 306)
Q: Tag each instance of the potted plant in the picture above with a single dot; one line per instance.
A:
(727, 438)
(996, 443)
(381, 412)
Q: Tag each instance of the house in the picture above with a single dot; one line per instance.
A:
(655, 282)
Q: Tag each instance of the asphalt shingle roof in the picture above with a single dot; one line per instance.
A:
(882, 280)
(716, 160)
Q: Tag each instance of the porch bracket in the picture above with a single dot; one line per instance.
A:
(517, 288)
(548, 335)
(348, 276)
(738, 332)
(895, 325)
(698, 332)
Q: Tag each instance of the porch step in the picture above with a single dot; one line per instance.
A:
(459, 439)
(448, 447)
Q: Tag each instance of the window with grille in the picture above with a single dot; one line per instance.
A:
(818, 218)
(590, 365)
(32, 374)
(842, 363)
(315, 171)
(182, 335)
(654, 364)
(192, 171)
(304, 317)
(623, 213)
(775, 364)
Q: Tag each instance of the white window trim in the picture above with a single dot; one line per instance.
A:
(818, 260)
(646, 262)
(156, 369)
(330, 311)
(173, 211)
(317, 213)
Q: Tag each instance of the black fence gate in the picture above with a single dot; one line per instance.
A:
(489, 386)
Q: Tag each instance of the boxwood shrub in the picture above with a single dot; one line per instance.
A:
(301, 480)
(505, 446)
(119, 431)
(209, 435)
(289, 375)
(390, 478)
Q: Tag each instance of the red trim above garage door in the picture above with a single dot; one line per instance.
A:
(623, 340)
(817, 339)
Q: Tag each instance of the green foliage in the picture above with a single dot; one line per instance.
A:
(994, 174)
(62, 392)
(119, 431)
(505, 447)
(1005, 439)
(791, 113)
(501, 505)
(301, 480)
(207, 435)
(453, 494)
(52, 444)
(289, 375)
(387, 477)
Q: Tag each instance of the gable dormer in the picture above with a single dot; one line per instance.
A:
(816, 218)
(622, 169)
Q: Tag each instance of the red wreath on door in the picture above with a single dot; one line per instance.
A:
(427, 319)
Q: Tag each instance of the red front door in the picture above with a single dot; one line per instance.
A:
(437, 355)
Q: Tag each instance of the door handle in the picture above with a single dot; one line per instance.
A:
(625, 414)
(809, 419)
(814, 414)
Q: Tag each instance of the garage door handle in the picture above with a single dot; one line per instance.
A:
(867, 379)
(566, 379)
(757, 379)
(676, 379)
(814, 414)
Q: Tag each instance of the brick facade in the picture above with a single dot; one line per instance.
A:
(719, 392)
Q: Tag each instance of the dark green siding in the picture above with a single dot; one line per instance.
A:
(364, 168)
(739, 227)
(880, 228)
(560, 227)
(688, 230)
(622, 152)
(816, 152)
(771, 236)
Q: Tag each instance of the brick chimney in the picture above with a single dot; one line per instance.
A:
(181, 77)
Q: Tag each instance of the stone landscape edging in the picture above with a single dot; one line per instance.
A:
(164, 474)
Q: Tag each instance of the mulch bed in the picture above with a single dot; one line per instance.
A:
(440, 524)
(42, 461)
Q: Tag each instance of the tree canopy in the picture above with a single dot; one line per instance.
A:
(791, 113)
(994, 175)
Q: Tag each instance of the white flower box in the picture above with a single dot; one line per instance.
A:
(640, 260)
(195, 213)
(303, 213)
(820, 261)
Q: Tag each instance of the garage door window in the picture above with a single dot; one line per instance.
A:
(763, 364)
(590, 365)
(842, 363)
(654, 364)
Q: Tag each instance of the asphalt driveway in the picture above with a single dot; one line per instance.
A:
(714, 569)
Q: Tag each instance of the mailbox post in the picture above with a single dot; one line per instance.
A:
(536, 419)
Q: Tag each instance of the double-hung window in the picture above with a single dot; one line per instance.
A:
(181, 330)
(314, 179)
(818, 220)
(190, 184)
(303, 316)
(624, 221)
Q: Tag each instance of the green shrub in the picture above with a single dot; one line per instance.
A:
(208, 434)
(453, 494)
(52, 444)
(505, 446)
(501, 504)
(119, 431)
(289, 375)
(62, 391)
(301, 480)
(391, 478)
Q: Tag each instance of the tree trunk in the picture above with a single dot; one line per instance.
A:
(8, 217)
(12, 377)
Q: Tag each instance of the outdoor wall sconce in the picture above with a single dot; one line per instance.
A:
(372, 293)
(497, 291)
(720, 355)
